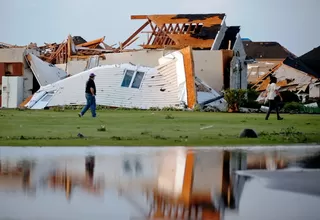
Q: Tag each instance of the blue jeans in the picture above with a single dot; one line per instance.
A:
(91, 103)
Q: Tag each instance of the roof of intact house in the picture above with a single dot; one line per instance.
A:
(266, 50)
(230, 35)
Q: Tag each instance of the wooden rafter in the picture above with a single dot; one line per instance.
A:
(197, 31)
(134, 34)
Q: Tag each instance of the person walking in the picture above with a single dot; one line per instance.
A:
(272, 95)
(90, 94)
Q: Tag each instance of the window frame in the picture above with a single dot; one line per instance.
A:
(133, 78)
(125, 73)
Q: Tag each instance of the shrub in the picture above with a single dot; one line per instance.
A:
(251, 104)
(292, 106)
(252, 94)
(235, 98)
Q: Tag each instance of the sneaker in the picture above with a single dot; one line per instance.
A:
(280, 118)
(79, 114)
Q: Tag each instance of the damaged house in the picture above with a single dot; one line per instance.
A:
(300, 75)
(143, 77)
(21, 75)
(219, 55)
(172, 83)
(262, 57)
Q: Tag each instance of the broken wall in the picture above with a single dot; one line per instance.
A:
(144, 57)
(208, 65)
(314, 91)
(20, 67)
(76, 66)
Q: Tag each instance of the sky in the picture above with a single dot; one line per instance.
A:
(292, 23)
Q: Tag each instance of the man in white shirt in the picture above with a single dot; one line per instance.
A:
(272, 93)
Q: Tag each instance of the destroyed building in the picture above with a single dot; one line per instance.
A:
(172, 83)
(300, 75)
(262, 57)
(217, 57)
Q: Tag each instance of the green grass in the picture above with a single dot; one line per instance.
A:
(147, 128)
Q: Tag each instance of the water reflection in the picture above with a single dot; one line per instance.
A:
(175, 183)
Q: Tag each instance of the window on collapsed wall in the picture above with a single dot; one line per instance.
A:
(137, 77)
(127, 78)
(137, 80)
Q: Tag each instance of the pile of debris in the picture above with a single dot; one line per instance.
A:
(300, 75)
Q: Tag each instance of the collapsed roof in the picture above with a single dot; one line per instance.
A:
(178, 30)
(294, 75)
(73, 47)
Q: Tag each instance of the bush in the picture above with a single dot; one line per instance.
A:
(292, 106)
(251, 104)
(235, 98)
(252, 95)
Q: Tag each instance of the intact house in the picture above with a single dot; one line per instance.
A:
(300, 75)
(172, 83)
(262, 57)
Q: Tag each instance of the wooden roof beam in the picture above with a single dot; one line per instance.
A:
(139, 17)
(133, 35)
(91, 43)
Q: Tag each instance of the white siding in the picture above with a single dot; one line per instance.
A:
(70, 91)
(220, 35)
(238, 47)
(44, 72)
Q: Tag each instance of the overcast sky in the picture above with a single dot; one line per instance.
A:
(292, 23)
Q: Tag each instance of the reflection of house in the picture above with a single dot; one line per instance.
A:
(300, 75)
(189, 181)
(13, 176)
(265, 56)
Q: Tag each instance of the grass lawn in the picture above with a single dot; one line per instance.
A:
(147, 128)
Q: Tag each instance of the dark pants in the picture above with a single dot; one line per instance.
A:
(273, 104)
(91, 103)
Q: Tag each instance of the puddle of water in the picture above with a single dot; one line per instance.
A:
(144, 183)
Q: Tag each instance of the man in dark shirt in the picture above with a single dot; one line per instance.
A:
(90, 93)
